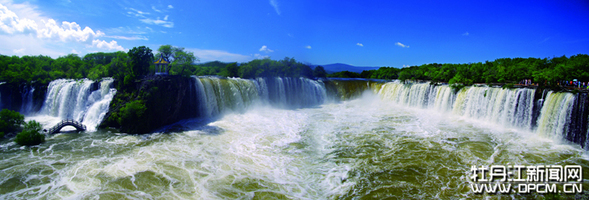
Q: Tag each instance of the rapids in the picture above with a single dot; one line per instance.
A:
(254, 141)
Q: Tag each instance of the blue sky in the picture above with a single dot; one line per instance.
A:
(361, 33)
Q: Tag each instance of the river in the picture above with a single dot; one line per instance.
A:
(369, 147)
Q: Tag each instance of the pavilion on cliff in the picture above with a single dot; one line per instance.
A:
(161, 66)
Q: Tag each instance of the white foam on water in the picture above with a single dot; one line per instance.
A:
(363, 148)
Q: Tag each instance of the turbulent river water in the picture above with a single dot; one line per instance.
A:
(375, 146)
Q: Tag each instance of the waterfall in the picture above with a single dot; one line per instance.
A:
(99, 102)
(219, 95)
(554, 114)
(82, 100)
(287, 92)
(27, 99)
(507, 107)
(419, 95)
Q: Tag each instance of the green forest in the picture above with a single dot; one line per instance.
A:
(504, 70)
(138, 62)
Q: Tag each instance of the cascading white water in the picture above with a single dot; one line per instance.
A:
(287, 92)
(555, 114)
(511, 108)
(99, 102)
(419, 95)
(219, 95)
(27, 100)
(63, 96)
(507, 107)
(356, 149)
(76, 99)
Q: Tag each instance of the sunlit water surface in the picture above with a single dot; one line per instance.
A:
(358, 149)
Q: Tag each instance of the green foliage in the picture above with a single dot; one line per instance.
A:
(545, 72)
(508, 86)
(44, 69)
(181, 60)
(166, 51)
(319, 72)
(460, 79)
(10, 121)
(345, 74)
(288, 67)
(231, 70)
(1, 135)
(457, 87)
(141, 58)
(30, 135)
(132, 112)
(127, 67)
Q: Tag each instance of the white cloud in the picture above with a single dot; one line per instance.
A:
(19, 51)
(359, 44)
(155, 9)
(401, 45)
(260, 56)
(31, 45)
(157, 21)
(266, 49)
(206, 55)
(275, 5)
(466, 34)
(112, 45)
(68, 31)
(136, 13)
(143, 17)
(123, 30)
(136, 37)
(170, 6)
(308, 47)
(75, 52)
(24, 32)
(11, 23)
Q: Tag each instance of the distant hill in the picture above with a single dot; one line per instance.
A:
(338, 67)
(330, 68)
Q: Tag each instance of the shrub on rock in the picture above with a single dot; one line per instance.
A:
(30, 135)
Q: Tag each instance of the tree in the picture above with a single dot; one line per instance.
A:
(183, 59)
(178, 57)
(132, 113)
(319, 72)
(166, 51)
(30, 135)
(404, 75)
(119, 68)
(231, 70)
(10, 121)
(141, 58)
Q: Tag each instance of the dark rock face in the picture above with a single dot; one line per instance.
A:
(11, 95)
(170, 99)
(577, 129)
(167, 99)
